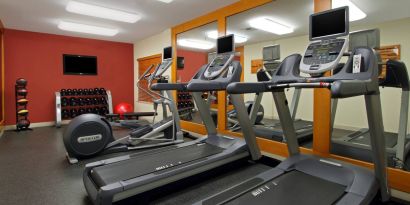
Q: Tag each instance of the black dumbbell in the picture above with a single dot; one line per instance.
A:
(64, 101)
(80, 91)
(95, 101)
(69, 92)
(63, 92)
(81, 111)
(89, 110)
(75, 92)
(80, 101)
(73, 113)
(103, 91)
(65, 113)
(96, 110)
(73, 101)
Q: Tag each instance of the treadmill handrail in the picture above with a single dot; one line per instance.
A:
(169, 86)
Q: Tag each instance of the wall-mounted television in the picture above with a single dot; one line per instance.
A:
(79, 65)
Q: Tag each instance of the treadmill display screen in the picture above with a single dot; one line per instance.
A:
(330, 23)
(225, 44)
(167, 54)
(271, 53)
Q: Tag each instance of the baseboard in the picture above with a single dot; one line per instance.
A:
(37, 124)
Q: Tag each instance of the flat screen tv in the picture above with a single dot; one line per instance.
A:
(79, 65)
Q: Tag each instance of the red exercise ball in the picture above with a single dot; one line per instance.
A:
(122, 108)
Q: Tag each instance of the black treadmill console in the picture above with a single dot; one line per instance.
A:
(224, 57)
(325, 49)
(166, 62)
(271, 56)
(324, 53)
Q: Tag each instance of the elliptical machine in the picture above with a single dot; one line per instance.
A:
(89, 135)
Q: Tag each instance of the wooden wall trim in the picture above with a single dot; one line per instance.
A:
(321, 105)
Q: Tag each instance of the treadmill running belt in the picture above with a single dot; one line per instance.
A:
(391, 139)
(146, 164)
(294, 187)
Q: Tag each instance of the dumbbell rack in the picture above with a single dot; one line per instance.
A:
(21, 108)
(185, 105)
(60, 106)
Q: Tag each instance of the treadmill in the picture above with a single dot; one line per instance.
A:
(118, 178)
(273, 129)
(356, 144)
(308, 179)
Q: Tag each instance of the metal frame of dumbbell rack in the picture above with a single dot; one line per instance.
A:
(59, 120)
(17, 98)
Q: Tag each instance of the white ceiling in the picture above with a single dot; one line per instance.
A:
(296, 13)
(44, 15)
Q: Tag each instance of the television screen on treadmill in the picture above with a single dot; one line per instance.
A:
(167, 54)
(330, 23)
(225, 44)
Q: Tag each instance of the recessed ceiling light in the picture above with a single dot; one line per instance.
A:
(101, 12)
(270, 25)
(354, 12)
(193, 43)
(238, 38)
(165, 1)
(83, 28)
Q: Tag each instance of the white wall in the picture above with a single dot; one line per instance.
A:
(351, 112)
(147, 47)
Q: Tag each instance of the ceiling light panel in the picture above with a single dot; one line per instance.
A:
(270, 25)
(165, 1)
(83, 28)
(193, 43)
(355, 13)
(101, 12)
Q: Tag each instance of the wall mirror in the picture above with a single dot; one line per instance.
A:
(195, 48)
(280, 26)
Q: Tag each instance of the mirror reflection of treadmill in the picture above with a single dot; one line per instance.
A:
(272, 128)
(356, 144)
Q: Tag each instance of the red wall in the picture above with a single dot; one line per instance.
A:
(37, 57)
(193, 62)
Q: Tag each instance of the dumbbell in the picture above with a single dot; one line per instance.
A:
(81, 111)
(80, 101)
(103, 111)
(96, 91)
(96, 110)
(87, 101)
(88, 110)
(80, 91)
(103, 101)
(103, 91)
(63, 92)
(73, 113)
(65, 113)
(64, 101)
(95, 101)
(22, 102)
(75, 92)
(73, 101)
(69, 92)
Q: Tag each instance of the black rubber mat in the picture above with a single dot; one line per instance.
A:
(292, 188)
(146, 164)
